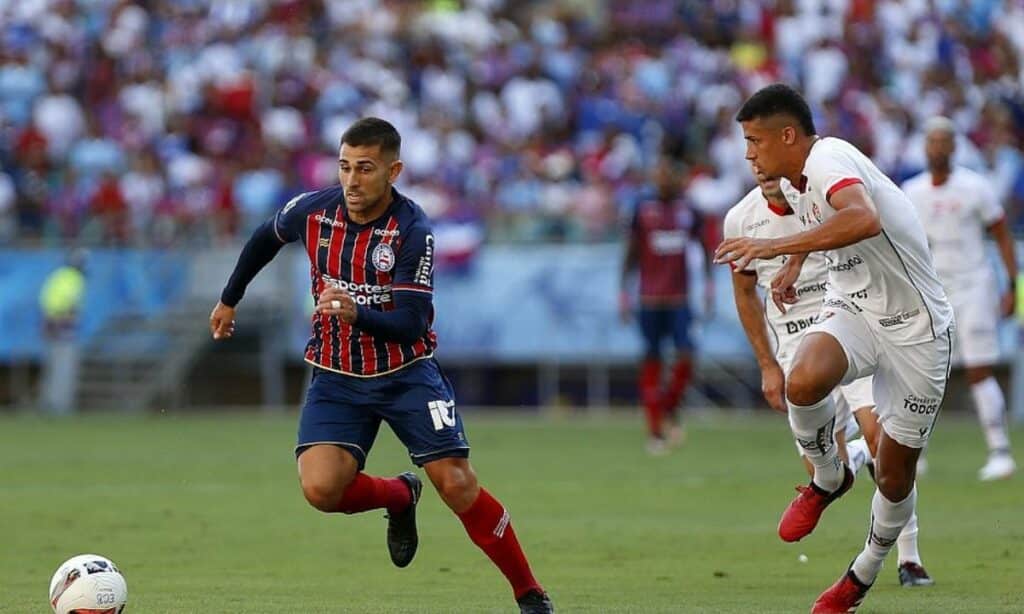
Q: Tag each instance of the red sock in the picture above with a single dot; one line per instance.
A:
(678, 382)
(650, 383)
(488, 525)
(367, 492)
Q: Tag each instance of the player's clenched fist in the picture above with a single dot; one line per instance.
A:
(222, 321)
(337, 302)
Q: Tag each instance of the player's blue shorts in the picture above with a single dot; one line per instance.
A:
(417, 402)
(656, 323)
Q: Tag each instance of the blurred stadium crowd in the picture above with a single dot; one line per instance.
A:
(189, 122)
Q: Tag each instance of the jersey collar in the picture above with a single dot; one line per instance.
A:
(779, 209)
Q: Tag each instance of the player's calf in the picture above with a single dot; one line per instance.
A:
(489, 526)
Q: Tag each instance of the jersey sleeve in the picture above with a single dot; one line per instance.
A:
(988, 207)
(830, 172)
(414, 271)
(732, 228)
(290, 221)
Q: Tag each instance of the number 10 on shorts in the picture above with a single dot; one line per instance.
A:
(442, 413)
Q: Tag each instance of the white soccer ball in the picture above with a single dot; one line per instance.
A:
(90, 583)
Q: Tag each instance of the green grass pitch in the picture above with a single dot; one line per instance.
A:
(204, 514)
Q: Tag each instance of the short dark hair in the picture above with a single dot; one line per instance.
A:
(370, 131)
(777, 99)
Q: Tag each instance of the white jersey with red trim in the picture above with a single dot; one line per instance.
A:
(755, 217)
(888, 278)
(956, 215)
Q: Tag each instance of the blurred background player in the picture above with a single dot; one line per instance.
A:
(884, 314)
(61, 300)
(957, 207)
(660, 236)
(765, 212)
(371, 256)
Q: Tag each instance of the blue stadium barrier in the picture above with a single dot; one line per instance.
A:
(118, 281)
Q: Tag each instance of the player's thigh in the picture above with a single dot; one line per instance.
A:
(867, 423)
(652, 322)
(909, 387)
(976, 343)
(839, 343)
(681, 320)
(421, 411)
(336, 413)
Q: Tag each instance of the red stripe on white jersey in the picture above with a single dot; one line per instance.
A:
(839, 185)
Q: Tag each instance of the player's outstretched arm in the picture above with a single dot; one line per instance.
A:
(856, 219)
(752, 317)
(261, 248)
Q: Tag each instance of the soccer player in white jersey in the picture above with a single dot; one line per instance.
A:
(766, 213)
(884, 313)
(957, 207)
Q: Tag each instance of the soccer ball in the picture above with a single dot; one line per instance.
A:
(88, 584)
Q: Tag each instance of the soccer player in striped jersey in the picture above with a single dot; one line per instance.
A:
(662, 230)
(371, 269)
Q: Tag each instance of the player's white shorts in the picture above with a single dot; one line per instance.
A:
(909, 380)
(858, 393)
(976, 341)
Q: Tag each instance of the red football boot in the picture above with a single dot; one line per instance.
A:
(803, 512)
(842, 597)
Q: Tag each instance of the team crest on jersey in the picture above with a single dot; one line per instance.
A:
(383, 257)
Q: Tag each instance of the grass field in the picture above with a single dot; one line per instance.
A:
(203, 514)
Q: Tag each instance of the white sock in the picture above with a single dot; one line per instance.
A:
(858, 453)
(991, 407)
(813, 427)
(906, 544)
(887, 520)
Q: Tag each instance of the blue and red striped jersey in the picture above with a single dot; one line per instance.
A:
(392, 254)
(662, 231)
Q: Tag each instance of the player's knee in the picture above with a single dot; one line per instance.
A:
(322, 495)
(895, 488)
(804, 385)
(457, 487)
